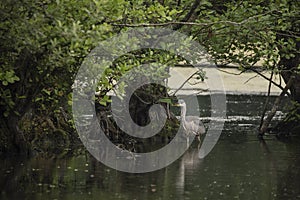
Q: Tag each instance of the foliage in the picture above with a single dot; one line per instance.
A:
(44, 42)
(42, 45)
(293, 115)
(248, 32)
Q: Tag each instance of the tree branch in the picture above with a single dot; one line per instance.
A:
(254, 69)
(274, 83)
(232, 73)
(175, 23)
(267, 101)
(189, 14)
(191, 76)
(193, 23)
(268, 119)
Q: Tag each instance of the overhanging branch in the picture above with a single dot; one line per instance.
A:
(193, 23)
(277, 102)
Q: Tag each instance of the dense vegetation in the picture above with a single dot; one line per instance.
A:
(44, 42)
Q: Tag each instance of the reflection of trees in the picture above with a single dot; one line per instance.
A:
(235, 168)
(39, 176)
(288, 186)
(10, 173)
(65, 178)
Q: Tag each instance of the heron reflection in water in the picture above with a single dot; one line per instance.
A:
(191, 124)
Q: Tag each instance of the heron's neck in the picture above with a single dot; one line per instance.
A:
(183, 113)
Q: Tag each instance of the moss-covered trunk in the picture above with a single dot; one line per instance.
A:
(11, 137)
(290, 67)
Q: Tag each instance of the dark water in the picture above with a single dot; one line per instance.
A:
(239, 167)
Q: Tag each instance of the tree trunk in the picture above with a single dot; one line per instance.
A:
(275, 107)
(290, 67)
(12, 139)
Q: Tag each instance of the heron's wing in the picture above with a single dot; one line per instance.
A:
(192, 118)
(195, 124)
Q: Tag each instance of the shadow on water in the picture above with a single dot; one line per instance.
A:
(239, 167)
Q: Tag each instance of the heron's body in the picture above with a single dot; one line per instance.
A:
(191, 124)
(194, 125)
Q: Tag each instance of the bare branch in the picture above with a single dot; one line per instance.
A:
(249, 79)
(222, 70)
(254, 69)
(268, 119)
(176, 23)
(193, 23)
(267, 101)
(161, 24)
(259, 73)
(191, 76)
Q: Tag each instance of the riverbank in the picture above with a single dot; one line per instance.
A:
(234, 82)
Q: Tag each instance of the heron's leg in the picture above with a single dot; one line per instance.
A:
(199, 139)
(187, 141)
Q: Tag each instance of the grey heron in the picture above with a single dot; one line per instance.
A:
(191, 124)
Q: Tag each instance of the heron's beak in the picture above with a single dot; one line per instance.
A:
(176, 104)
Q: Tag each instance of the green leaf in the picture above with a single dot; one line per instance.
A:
(165, 100)
(46, 91)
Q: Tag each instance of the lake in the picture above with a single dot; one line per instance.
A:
(239, 167)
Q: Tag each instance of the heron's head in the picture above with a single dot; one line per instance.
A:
(180, 103)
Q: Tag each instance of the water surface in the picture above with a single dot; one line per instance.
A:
(239, 167)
